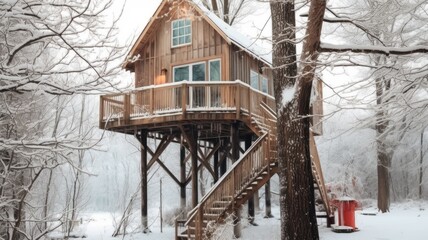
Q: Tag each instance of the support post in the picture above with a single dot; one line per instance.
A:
(193, 135)
(223, 165)
(256, 201)
(251, 212)
(216, 166)
(144, 220)
(237, 223)
(234, 138)
(183, 179)
(268, 208)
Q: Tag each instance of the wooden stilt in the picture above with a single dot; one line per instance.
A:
(216, 163)
(144, 220)
(234, 138)
(268, 208)
(183, 178)
(223, 164)
(193, 137)
(251, 212)
(237, 223)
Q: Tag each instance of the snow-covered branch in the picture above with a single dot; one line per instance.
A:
(371, 49)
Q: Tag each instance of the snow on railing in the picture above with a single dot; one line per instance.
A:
(179, 98)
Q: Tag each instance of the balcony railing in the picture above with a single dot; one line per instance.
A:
(182, 98)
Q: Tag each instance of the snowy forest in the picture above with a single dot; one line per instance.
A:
(63, 175)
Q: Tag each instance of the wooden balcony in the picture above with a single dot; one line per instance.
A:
(177, 103)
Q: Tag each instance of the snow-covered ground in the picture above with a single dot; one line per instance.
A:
(405, 221)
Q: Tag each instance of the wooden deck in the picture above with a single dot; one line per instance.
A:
(167, 105)
(209, 108)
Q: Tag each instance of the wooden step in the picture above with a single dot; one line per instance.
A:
(218, 210)
(220, 204)
(211, 216)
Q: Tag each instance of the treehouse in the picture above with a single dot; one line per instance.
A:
(201, 84)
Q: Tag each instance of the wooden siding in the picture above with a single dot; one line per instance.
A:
(157, 52)
(242, 63)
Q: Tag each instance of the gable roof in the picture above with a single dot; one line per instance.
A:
(231, 35)
(234, 36)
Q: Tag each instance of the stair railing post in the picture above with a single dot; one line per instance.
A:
(200, 221)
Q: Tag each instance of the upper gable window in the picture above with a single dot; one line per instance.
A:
(181, 32)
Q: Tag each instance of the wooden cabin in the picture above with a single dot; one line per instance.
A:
(200, 84)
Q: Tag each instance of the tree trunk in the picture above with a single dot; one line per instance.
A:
(226, 11)
(297, 203)
(383, 158)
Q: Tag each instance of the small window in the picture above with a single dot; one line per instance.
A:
(254, 79)
(181, 32)
(215, 70)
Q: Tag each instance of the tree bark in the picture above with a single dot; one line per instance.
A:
(215, 7)
(383, 158)
(297, 203)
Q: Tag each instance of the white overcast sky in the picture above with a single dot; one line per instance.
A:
(136, 15)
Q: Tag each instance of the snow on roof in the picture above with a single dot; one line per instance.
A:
(242, 41)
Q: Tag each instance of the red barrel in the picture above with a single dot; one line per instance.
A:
(346, 211)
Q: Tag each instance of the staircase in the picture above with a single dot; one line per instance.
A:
(247, 175)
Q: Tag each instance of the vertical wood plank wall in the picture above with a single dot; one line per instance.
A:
(157, 53)
(242, 63)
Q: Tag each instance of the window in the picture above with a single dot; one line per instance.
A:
(181, 74)
(215, 75)
(198, 72)
(181, 32)
(191, 72)
(259, 82)
(254, 79)
(264, 84)
(215, 70)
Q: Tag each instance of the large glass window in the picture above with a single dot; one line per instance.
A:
(254, 80)
(215, 70)
(191, 72)
(198, 72)
(259, 82)
(181, 32)
(181, 74)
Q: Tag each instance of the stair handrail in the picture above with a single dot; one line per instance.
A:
(194, 211)
(317, 165)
